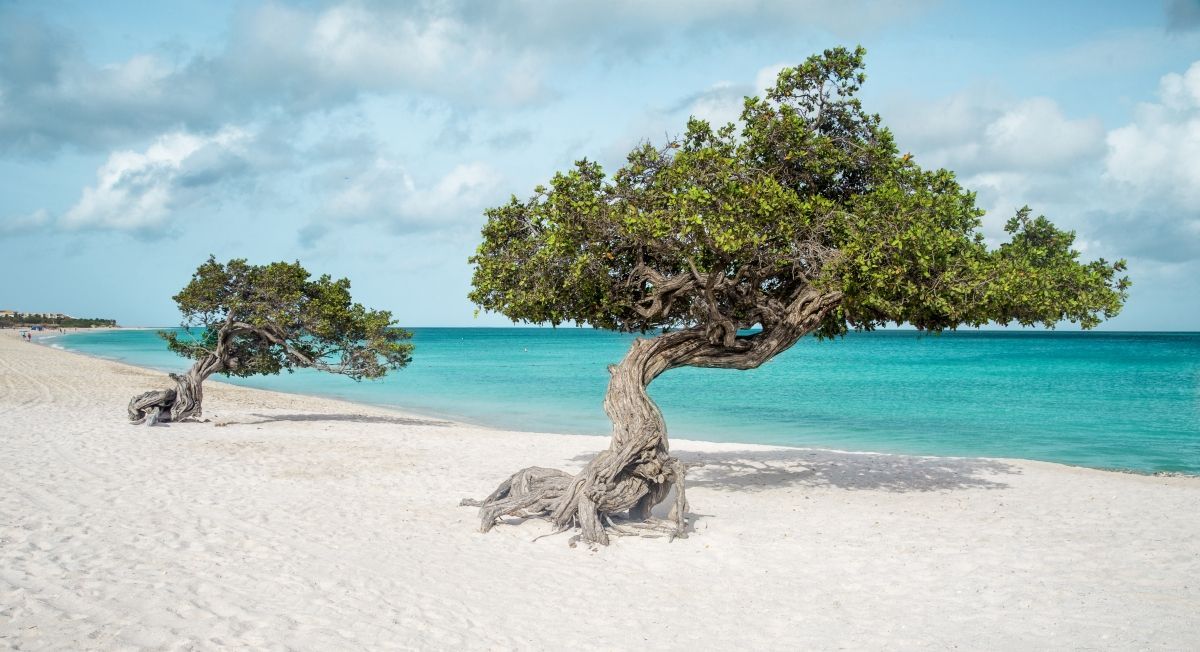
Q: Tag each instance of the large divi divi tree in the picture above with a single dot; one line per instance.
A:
(732, 244)
(245, 320)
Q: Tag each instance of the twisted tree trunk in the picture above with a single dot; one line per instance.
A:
(637, 471)
(182, 402)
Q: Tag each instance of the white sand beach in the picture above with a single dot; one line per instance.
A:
(290, 522)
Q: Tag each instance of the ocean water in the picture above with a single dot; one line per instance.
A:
(1107, 400)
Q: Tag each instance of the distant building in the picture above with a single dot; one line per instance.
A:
(32, 316)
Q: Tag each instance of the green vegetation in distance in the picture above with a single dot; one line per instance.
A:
(25, 319)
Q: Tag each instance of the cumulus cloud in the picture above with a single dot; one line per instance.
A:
(50, 95)
(352, 178)
(138, 190)
(25, 223)
(1159, 152)
(1035, 134)
(631, 28)
(301, 58)
(719, 104)
(312, 58)
(384, 192)
(1130, 191)
(289, 60)
(973, 133)
(1011, 152)
(1154, 161)
(767, 76)
(1166, 235)
(722, 102)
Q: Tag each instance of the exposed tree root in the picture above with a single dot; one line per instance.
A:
(149, 407)
(583, 501)
(162, 405)
(627, 480)
(636, 473)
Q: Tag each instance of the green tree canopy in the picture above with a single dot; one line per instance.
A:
(804, 219)
(244, 320)
(263, 319)
(722, 227)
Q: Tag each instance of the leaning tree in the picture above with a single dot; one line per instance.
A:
(245, 320)
(732, 243)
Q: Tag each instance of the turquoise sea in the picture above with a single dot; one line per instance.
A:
(1108, 400)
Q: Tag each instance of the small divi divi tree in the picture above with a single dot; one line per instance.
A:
(735, 242)
(245, 320)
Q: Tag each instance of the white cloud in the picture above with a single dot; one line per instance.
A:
(299, 59)
(719, 105)
(138, 190)
(1159, 152)
(1153, 172)
(766, 77)
(27, 222)
(384, 191)
(53, 96)
(1131, 191)
(524, 83)
(1011, 152)
(631, 27)
(1035, 134)
(723, 102)
(278, 61)
(1182, 92)
(313, 58)
(972, 133)
(464, 188)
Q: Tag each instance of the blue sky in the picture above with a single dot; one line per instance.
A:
(365, 139)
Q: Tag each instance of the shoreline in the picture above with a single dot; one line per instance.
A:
(455, 421)
(464, 421)
(324, 397)
(304, 522)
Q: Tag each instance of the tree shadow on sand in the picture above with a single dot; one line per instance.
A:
(751, 470)
(354, 418)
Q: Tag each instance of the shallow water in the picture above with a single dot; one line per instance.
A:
(1107, 400)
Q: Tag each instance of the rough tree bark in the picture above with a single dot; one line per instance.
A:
(637, 471)
(182, 402)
